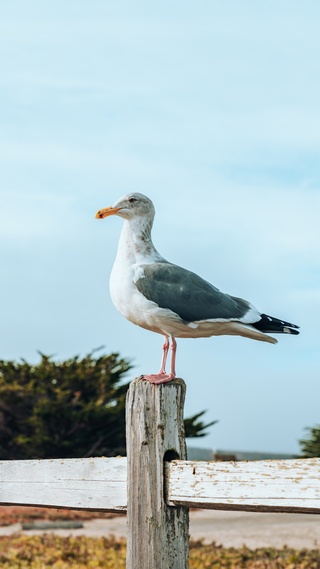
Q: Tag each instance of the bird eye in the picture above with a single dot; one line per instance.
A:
(132, 200)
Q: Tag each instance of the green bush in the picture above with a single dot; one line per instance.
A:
(69, 409)
(311, 445)
(64, 409)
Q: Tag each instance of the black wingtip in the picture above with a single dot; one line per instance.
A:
(272, 325)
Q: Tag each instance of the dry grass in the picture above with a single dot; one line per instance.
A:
(48, 550)
(20, 551)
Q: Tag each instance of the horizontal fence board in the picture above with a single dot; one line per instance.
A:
(100, 484)
(88, 483)
(266, 485)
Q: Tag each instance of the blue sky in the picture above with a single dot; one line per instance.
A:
(212, 110)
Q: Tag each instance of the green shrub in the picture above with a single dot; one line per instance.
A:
(69, 409)
(311, 445)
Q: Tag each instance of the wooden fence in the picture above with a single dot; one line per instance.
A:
(156, 485)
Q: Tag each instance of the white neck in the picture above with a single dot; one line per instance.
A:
(135, 242)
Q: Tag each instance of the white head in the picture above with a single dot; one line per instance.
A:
(128, 207)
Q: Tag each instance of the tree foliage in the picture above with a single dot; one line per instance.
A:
(195, 428)
(69, 409)
(311, 445)
(74, 408)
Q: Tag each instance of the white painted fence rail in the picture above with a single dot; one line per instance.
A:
(101, 484)
(154, 487)
(264, 486)
(84, 483)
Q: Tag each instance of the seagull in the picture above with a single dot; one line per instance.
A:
(162, 297)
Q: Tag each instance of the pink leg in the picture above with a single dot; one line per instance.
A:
(165, 349)
(173, 357)
(162, 376)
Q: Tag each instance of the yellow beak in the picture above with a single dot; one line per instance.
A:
(106, 211)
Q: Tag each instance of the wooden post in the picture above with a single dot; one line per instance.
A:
(158, 535)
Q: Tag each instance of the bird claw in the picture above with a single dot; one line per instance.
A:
(158, 378)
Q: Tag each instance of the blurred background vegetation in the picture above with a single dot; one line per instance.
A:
(76, 408)
(69, 409)
(310, 446)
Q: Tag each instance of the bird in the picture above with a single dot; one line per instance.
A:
(167, 299)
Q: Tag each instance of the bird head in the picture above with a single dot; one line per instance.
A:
(129, 206)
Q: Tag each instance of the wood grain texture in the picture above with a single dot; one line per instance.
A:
(158, 535)
(101, 484)
(264, 486)
(87, 483)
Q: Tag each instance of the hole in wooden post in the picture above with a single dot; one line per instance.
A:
(169, 455)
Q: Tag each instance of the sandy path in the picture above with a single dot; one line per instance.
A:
(233, 529)
(226, 528)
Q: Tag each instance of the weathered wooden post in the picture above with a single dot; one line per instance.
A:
(158, 535)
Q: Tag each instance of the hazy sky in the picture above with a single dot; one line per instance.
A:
(212, 109)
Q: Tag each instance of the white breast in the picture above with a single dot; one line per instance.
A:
(131, 257)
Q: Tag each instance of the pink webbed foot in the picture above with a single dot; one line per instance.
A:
(158, 378)
(162, 376)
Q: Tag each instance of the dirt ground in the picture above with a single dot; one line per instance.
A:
(225, 528)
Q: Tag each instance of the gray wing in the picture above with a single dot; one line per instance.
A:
(187, 294)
